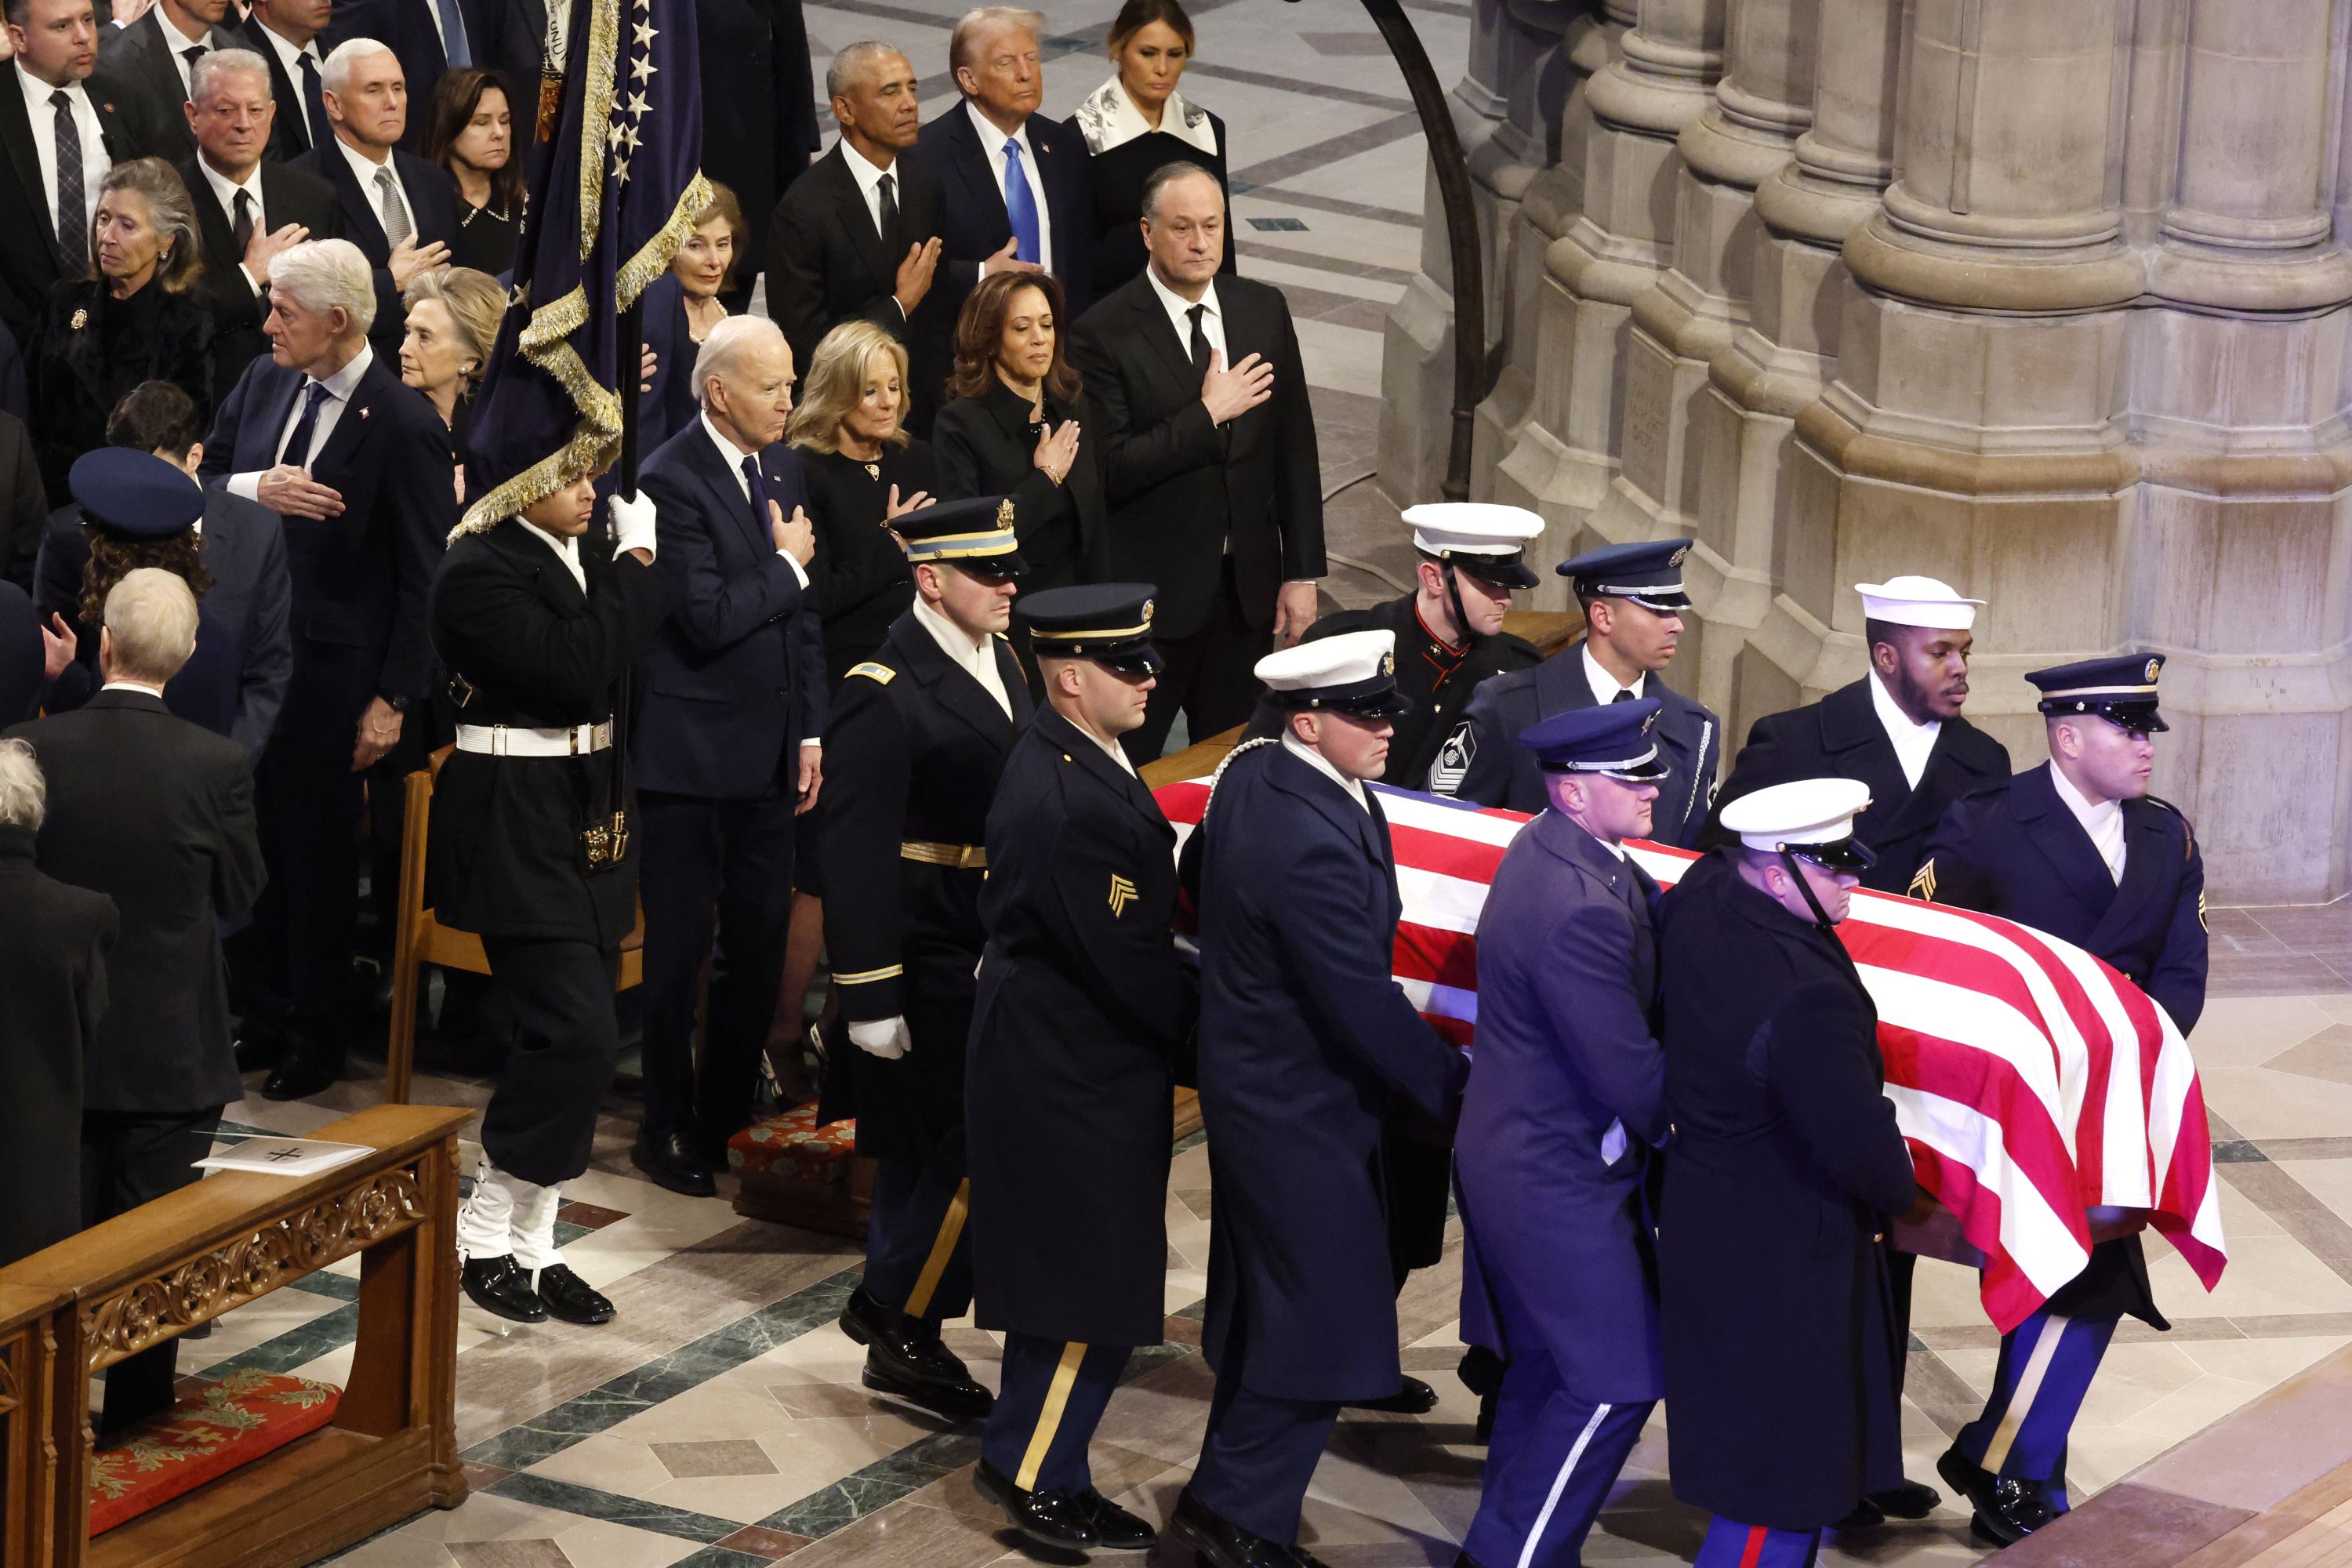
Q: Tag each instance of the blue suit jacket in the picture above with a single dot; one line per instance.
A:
(737, 680)
(1483, 761)
(1305, 1039)
(1563, 1107)
(432, 204)
(973, 225)
(407, 28)
(2015, 850)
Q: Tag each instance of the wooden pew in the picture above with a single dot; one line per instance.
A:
(77, 1308)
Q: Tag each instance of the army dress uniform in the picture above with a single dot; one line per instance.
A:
(1564, 1107)
(1480, 759)
(2124, 881)
(1082, 1007)
(913, 747)
(531, 852)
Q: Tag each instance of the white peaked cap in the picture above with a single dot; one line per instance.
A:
(1917, 602)
(1471, 527)
(1809, 811)
(1348, 660)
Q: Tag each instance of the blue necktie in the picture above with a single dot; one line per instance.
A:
(758, 482)
(1019, 205)
(298, 445)
(322, 132)
(453, 36)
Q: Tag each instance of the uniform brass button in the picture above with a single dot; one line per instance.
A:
(1878, 1235)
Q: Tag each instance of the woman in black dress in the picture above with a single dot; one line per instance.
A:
(140, 318)
(1137, 123)
(471, 133)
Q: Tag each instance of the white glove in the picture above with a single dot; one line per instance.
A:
(632, 524)
(885, 1037)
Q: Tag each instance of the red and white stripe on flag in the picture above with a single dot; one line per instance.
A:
(2033, 1082)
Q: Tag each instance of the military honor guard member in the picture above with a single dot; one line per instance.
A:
(1633, 598)
(1783, 1165)
(917, 737)
(1305, 1040)
(2080, 849)
(538, 618)
(1083, 1007)
(1563, 1110)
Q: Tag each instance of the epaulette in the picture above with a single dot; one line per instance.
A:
(882, 674)
(2188, 830)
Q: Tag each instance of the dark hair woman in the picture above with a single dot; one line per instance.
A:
(1014, 424)
(470, 131)
(137, 317)
(1137, 122)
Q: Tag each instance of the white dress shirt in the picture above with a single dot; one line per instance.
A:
(289, 60)
(1316, 760)
(734, 456)
(1912, 741)
(139, 686)
(340, 387)
(567, 550)
(976, 659)
(365, 169)
(179, 43)
(225, 190)
(991, 142)
(1604, 685)
(869, 176)
(44, 116)
(2104, 823)
(1180, 316)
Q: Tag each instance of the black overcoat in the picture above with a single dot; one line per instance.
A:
(987, 447)
(1082, 1004)
(1780, 1341)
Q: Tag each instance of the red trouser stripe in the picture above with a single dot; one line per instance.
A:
(1756, 1534)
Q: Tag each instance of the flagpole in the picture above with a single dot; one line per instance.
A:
(631, 331)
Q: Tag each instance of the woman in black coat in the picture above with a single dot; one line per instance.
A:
(1014, 424)
(1137, 123)
(141, 319)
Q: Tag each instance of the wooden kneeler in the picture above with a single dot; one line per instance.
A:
(418, 938)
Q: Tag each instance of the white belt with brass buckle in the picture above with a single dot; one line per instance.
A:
(509, 741)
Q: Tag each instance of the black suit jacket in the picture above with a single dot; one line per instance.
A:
(827, 264)
(1179, 486)
(29, 268)
(138, 57)
(20, 655)
(56, 938)
(432, 202)
(157, 815)
(360, 578)
(407, 28)
(987, 447)
(759, 111)
(973, 225)
(1840, 737)
(239, 308)
(290, 132)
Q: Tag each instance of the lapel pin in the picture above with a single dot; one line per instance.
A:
(364, 413)
(80, 319)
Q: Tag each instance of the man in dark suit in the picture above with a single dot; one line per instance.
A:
(1633, 601)
(324, 435)
(234, 682)
(2080, 849)
(286, 33)
(727, 748)
(156, 814)
(855, 239)
(428, 37)
(85, 124)
(401, 211)
(248, 207)
(1306, 1042)
(1015, 181)
(1208, 449)
(758, 113)
(151, 60)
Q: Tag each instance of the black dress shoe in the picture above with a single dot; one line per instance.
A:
(2007, 1511)
(1116, 1530)
(500, 1287)
(1221, 1544)
(904, 1358)
(567, 1296)
(1414, 1398)
(1865, 1515)
(1912, 1500)
(673, 1162)
(309, 1069)
(1060, 1519)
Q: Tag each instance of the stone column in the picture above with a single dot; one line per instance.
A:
(1507, 109)
(2241, 558)
(1618, 245)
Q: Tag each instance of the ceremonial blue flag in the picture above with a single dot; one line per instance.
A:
(613, 196)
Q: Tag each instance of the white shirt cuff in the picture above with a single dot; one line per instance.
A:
(248, 485)
(813, 741)
(246, 273)
(798, 570)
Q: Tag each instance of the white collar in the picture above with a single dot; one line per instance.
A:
(1109, 119)
(953, 640)
(139, 686)
(289, 51)
(1320, 763)
(365, 169)
(863, 169)
(567, 550)
(226, 188)
(2080, 804)
(1899, 724)
(992, 139)
(341, 384)
(1604, 685)
(178, 42)
(37, 91)
(1179, 307)
(729, 452)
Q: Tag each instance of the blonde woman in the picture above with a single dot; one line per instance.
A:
(453, 320)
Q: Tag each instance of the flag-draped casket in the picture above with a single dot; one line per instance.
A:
(2034, 1083)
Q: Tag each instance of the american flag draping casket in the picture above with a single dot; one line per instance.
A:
(2033, 1082)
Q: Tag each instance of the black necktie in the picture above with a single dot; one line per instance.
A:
(1625, 694)
(758, 484)
(73, 212)
(322, 133)
(889, 189)
(298, 445)
(240, 229)
(1199, 340)
(192, 53)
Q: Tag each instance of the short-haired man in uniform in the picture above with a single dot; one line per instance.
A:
(1557, 1125)
(1305, 1039)
(1634, 602)
(2080, 849)
(539, 619)
(1083, 1006)
(1783, 1165)
(918, 736)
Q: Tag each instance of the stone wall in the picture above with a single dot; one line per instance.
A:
(2046, 299)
